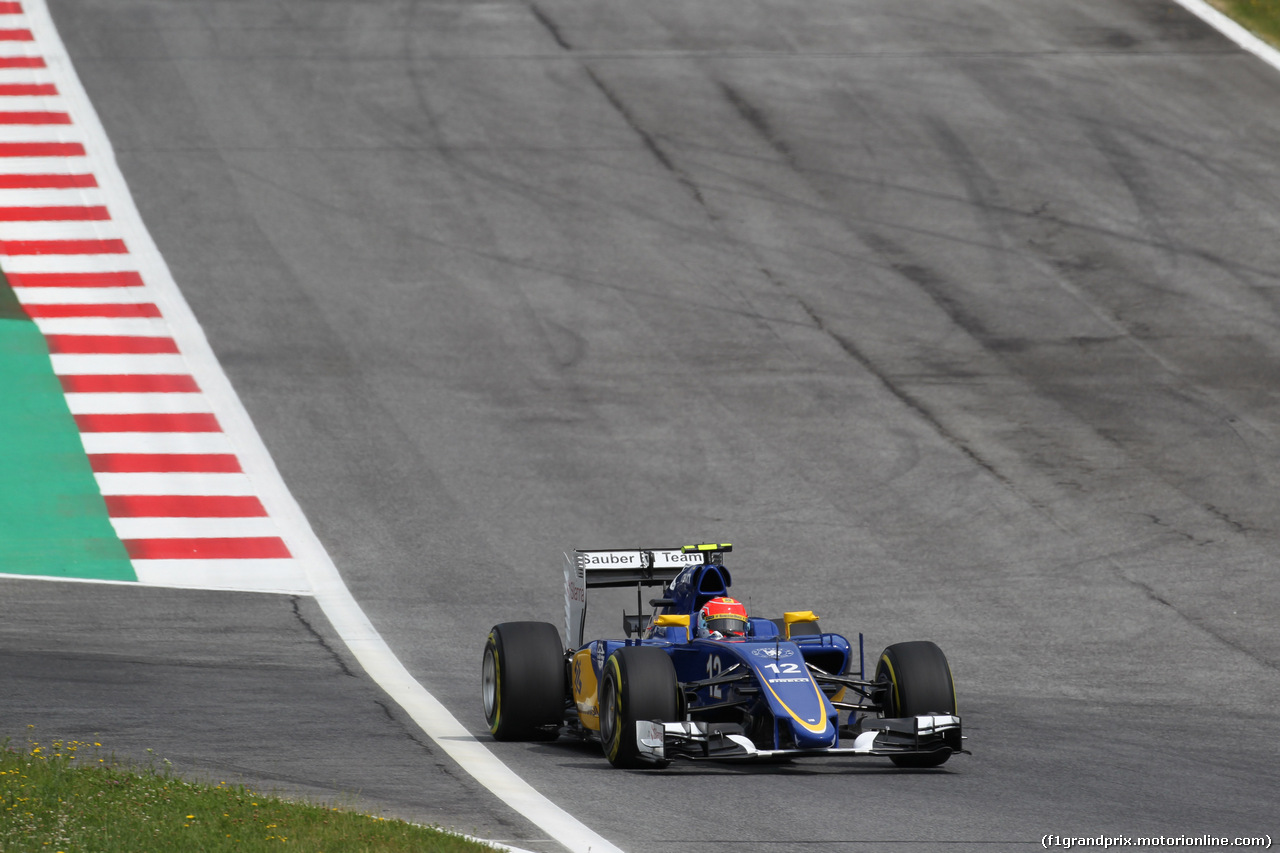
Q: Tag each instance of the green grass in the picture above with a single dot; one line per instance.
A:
(1260, 16)
(68, 796)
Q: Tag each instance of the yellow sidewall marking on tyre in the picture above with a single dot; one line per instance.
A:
(893, 680)
(615, 735)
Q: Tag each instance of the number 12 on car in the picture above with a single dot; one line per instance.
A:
(784, 668)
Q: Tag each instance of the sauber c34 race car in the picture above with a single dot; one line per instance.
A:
(778, 689)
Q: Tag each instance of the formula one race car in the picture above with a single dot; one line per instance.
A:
(732, 688)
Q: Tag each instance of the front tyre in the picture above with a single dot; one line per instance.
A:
(639, 683)
(916, 679)
(522, 681)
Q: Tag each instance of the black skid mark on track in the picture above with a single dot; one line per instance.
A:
(1160, 522)
(927, 415)
(910, 401)
(922, 277)
(1204, 625)
(753, 116)
(933, 285)
(1238, 526)
(412, 732)
(297, 613)
(409, 729)
(550, 25)
(650, 142)
(927, 280)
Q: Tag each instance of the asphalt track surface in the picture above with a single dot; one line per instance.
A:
(959, 320)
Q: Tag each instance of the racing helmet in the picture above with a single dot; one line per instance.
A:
(722, 615)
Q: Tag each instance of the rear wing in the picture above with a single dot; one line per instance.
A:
(593, 569)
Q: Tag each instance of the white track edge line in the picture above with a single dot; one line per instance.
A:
(331, 593)
(1233, 31)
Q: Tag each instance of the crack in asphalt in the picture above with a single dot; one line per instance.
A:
(323, 643)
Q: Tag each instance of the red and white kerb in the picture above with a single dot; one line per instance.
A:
(175, 489)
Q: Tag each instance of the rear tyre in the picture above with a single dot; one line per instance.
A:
(639, 683)
(916, 679)
(522, 681)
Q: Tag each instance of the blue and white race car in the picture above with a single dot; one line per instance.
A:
(776, 688)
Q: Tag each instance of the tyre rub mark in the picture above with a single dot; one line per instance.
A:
(550, 25)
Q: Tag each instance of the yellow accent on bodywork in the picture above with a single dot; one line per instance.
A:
(792, 616)
(584, 690)
(669, 620)
(816, 728)
(799, 616)
(698, 549)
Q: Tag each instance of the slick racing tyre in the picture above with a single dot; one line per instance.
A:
(522, 681)
(639, 683)
(916, 679)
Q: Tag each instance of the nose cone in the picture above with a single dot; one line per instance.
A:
(807, 738)
(797, 704)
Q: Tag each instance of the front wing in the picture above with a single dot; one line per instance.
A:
(875, 737)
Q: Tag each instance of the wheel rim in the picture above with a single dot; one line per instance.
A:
(607, 721)
(889, 705)
(489, 684)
